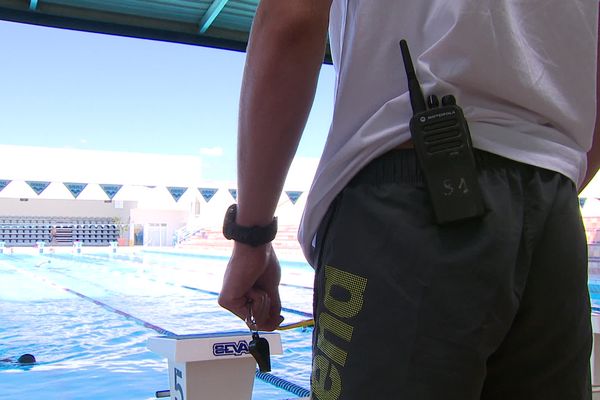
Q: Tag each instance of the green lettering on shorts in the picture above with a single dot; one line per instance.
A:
(338, 328)
(355, 286)
(327, 372)
(343, 300)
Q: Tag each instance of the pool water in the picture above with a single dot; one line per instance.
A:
(83, 315)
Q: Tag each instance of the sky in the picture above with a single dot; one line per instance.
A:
(68, 89)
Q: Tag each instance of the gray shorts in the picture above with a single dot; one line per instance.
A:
(495, 308)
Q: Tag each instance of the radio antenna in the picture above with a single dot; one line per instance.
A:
(417, 101)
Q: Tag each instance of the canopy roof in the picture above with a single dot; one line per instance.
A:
(223, 24)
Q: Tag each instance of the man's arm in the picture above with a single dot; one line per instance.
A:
(593, 156)
(285, 53)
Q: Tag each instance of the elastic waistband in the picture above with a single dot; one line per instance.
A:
(396, 166)
(402, 166)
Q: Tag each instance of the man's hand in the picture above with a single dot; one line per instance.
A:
(252, 280)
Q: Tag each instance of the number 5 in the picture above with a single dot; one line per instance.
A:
(178, 387)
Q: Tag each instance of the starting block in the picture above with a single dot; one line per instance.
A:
(216, 366)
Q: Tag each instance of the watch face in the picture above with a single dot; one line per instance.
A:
(229, 222)
(231, 213)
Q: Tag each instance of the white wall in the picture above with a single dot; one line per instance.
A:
(174, 219)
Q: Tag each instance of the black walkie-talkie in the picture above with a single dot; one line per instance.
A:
(442, 141)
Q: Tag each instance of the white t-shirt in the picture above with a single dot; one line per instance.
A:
(524, 73)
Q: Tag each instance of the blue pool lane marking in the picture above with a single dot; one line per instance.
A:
(300, 324)
(210, 292)
(146, 324)
(289, 310)
(140, 260)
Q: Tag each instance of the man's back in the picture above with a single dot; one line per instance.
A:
(523, 72)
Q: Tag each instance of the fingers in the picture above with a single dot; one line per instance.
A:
(275, 312)
(263, 311)
(258, 309)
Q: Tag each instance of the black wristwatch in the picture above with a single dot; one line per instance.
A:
(252, 235)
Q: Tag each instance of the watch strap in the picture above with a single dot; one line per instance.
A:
(251, 235)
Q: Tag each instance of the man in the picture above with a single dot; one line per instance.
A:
(493, 307)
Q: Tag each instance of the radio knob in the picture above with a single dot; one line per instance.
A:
(432, 101)
(448, 100)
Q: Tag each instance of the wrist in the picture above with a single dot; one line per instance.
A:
(243, 248)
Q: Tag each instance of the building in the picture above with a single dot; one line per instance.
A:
(62, 196)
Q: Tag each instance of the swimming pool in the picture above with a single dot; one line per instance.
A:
(87, 319)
